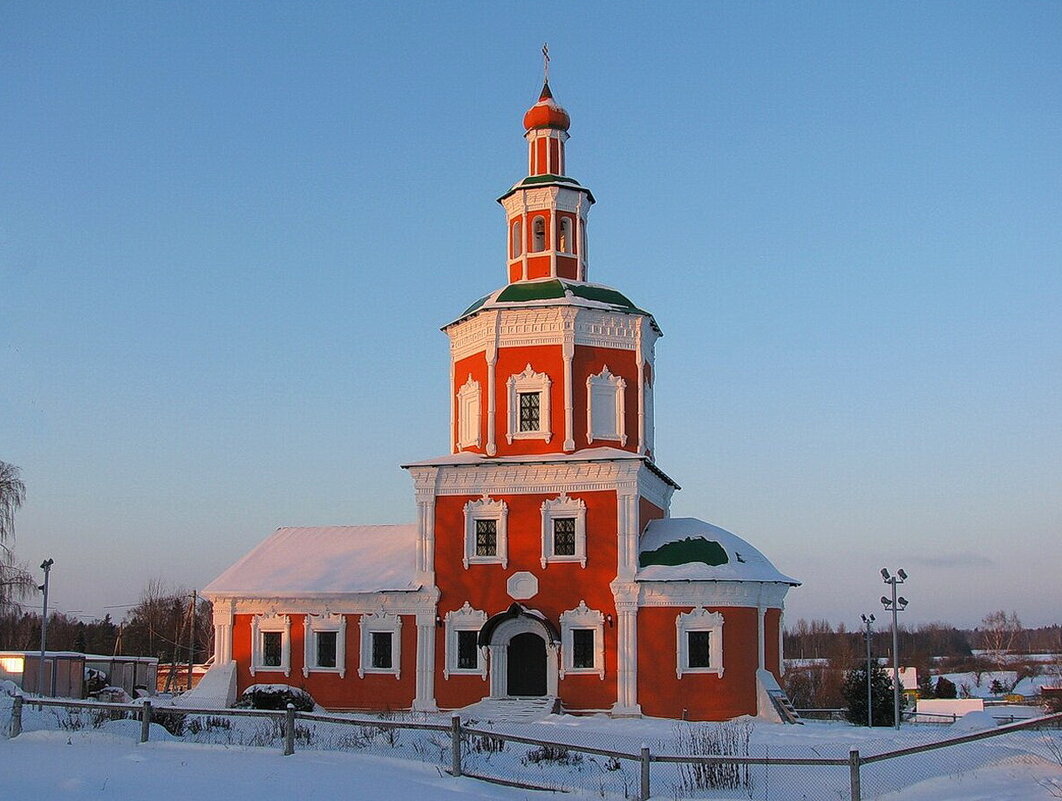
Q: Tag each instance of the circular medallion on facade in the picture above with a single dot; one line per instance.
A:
(522, 585)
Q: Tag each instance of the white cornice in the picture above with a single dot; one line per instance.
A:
(751, 594)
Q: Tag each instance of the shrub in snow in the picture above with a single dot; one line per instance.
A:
(946, 688)
(275, 696)
(855, 696)
(730, 738)
(8, 687)
(112, 695)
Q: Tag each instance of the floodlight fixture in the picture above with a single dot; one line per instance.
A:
(885, 602)
(902, 602)
(901, 574)
(885, 573)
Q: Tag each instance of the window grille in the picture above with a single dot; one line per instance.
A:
(486, 538)
(529, 411)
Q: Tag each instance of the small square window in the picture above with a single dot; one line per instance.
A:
(564, 536)
(467, 650)
(700, 654)
(529, 411)
(486, 538)
(326, 649)
(272, 648)
(582, 648)
(381, 649)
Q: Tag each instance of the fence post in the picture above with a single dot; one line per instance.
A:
(145, 721)
(455, 745)
(853, 769)
(289, 730)
(16, 717)
(644, 789)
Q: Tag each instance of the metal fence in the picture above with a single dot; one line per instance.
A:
(719, 761)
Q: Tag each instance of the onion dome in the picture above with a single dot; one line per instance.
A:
(546, 113)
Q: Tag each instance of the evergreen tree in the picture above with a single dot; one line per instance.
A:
(855, 696)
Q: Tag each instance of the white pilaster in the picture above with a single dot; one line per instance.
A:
(425, 697)
(223, 614)
(626, 594)
(568, 351)
(491, 354)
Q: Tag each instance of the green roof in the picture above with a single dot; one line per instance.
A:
(531, 290)
(682, 552)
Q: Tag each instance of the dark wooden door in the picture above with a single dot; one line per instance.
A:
(526, 656)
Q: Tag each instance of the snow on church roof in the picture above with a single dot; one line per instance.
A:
(687, 549)
(324, 560)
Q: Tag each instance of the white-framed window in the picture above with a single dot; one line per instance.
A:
(538, 234)
(463, 654)
(271, 643)
(518, 240)
(583, 641)
(564, 236)
(324, 641)
(529, 406)
(381, 644)
(564, 530)
(486, 532)
(604, 407)
(700, 642)
(468, 423)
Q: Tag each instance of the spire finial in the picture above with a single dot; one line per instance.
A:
(545, 62)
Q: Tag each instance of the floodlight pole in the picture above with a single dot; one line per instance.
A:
(46, 566)
(895, 605)
(867, 621)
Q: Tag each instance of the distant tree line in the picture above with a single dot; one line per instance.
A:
(160, 625)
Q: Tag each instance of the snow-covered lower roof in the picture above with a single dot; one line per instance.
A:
(604, 454)
(687, 549)
(322, 561)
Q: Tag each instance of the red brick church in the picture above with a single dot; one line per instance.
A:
(543, 563)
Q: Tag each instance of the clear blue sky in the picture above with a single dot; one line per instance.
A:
(229, 233)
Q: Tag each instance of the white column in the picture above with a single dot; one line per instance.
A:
(761, 616)
(425, 698)
(223, 614)
(453, 404)
(626, 705)
(491, 355)
(568, 317)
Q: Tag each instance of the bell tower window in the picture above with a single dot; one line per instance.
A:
(538, 234)
(564, 240)
(518, 240)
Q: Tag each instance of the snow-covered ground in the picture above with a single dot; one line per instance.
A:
(108, 762)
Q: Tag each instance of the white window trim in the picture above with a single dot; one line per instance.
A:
(486, 509)
(616, 385)
(468, 414)
(582, 618)
(563, 506)
(260, 624)
(312, 625)
(562, 224)
(529, 381)
(374, 622)
(699, 619)
(464, 619)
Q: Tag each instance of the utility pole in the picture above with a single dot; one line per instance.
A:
(46, 566)
(191, 637)
(867, 621)
(895, 605)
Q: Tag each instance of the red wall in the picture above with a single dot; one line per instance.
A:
(375, 691)
(589, 361)
(476, 365)
(702, 696)
(512, 361)
(561, 586)
(647, 511)
(771, 624)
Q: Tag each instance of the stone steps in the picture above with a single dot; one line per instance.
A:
(509, 710)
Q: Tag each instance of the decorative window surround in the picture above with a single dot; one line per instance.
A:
(486, 509)
(563, 507)
(468, 417)
(380, 622)
(464, 619)
(582, 618)
(529, 381)
(260, 625)
(316, 624)
(518, 240)
(700, 619)
(605, 407)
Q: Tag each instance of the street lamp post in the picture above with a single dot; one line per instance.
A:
(867, 621)
(895, 605)
(46, 566)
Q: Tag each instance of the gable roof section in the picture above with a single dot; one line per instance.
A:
(687, 549)
(324, 560)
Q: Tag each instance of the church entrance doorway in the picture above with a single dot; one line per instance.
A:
(526, 665)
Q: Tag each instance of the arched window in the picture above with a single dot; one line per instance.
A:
(539, 234)
(565, 238)
(518, 240)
